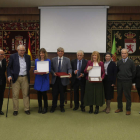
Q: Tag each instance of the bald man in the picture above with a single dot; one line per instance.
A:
(126, 73)
(2, 79)
(18, 72)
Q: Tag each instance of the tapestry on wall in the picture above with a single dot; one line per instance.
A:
(14, 33)
(127, 35)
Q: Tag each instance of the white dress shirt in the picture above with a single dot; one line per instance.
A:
(0, 63)
(106, 66)
(61, 60)
(22, 65)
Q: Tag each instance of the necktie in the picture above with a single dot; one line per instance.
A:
(123, 60)
(79, 69)
(59, 65)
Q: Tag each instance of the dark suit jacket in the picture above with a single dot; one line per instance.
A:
(2, 73)
(13, 68)
(74, 67)
(112, 72)
(137, 77)
(66, 67)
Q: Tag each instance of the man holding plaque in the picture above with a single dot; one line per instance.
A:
(18, 71)
(59, 64)
(78, 79)
(126, 73)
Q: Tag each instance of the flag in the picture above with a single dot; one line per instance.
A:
(29, 49)
(113, 51)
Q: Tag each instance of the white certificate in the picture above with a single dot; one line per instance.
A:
(95, 72)
(43, 66)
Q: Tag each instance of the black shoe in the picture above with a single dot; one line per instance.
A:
(75, 108)
(62, 109)
(91, 109)
(27, 112)
(40, 110)
(96, 111)
(52, 109)
(44, 111)
(15, 113)
(83, 109)
(1, 113)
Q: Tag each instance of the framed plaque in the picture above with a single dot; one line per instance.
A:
(95, 74)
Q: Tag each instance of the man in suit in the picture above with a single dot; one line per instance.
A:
(136, 80)
(126, 73)
(18, 71)
(59, 64)
(78, 79)
(2, 79)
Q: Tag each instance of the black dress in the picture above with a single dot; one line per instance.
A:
(110, 79)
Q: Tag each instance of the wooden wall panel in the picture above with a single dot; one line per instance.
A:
(19, 17)
(124, 13)
(19, 10)
(124, 9)
(123, 17)
(15, 14)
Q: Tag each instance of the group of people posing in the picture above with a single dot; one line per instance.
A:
(92, 93)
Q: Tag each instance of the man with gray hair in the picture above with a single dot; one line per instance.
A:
(126, 73)
(59, 64)
(18, 71)
(78, 79)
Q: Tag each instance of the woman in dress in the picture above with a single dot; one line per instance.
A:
(109, 80)
(42, 81)
(94, 92)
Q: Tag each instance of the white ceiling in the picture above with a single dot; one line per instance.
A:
(36, 3)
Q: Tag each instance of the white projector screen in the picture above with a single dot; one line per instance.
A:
(73, 28)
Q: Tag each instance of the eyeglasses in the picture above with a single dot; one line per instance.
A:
(1, 54)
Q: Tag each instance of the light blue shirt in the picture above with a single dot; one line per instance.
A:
(78, 64)
(22, 65)
(124, 60)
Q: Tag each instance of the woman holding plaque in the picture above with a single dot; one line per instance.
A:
(94, 92)
(109, 80)
(42, 81)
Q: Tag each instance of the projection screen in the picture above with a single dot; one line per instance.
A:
(73, 28)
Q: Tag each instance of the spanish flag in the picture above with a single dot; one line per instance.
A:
(29, 49)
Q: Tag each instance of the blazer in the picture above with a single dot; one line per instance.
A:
(65, 67)
(137, 77)
(2, 72)
(74, 67)
(89, 63)
(112, 72)
(42, 81)
(13, 68)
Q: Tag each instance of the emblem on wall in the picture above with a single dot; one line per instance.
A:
(130, 42)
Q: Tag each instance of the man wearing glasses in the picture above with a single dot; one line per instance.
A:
(18, 71)
(2, 78)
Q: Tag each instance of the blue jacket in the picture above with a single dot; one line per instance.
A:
(42, 81)
(14, 66)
